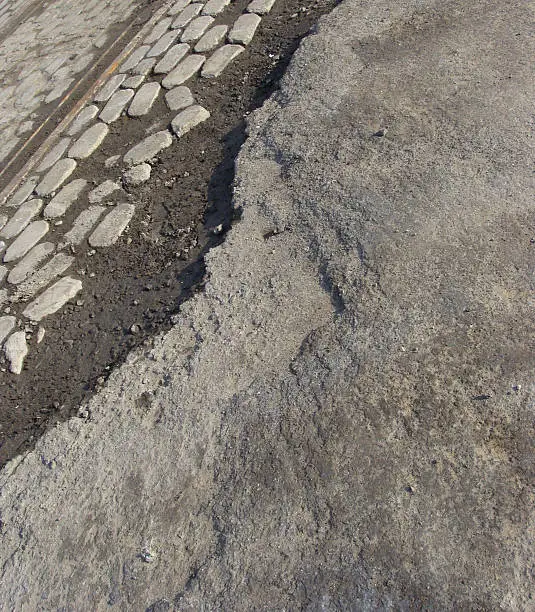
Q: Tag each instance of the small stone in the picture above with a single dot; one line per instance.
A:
(45, 275)
(54, 154)
(27, 240)
(112, 161)
(211, 39)
(244, 29)
(260, 7)
(61, 202)
(102, 191)
(179, 98)
(16, 349)
(188, 119)
(83, 224)
(113, 225)
(133, 82)
(23, 193)
(28, 265)
(177, 7)
(220, 59)
(137, 175)
(135, 329)
(3, 273)
(51, 300)
(111, 86)
(145, 66)
(163, 44)
(196, 28)
(85, 116)
(115, 106)
(148, 148)
(89, 141)
(6, 325)
(40, 334)
(133, 60)
(3, 220)
(24, 127)
(171, 58)
(158, 30)
(21, 218)
(184, 71)
(214, 7)
(189, 13)
(144, 99)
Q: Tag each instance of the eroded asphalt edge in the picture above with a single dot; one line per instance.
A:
(217, 465)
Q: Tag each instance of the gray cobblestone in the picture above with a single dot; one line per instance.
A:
(189, 118)
(244, 29)
(116, 104)
(177, 7)
(190, 12)
(16, 349)
(85, 116)
(53, 298)
(171, 58)
(179, 98)
(112, 226)
(145, 66)
(22, 217)
(83, 224)
(133, 60)
(64, 199)
(133, 82)
(59, 264)
(148, 148)
(54, 154)
(56, 176)
(159, 30)
(163, 44)
(101, 192)
(212, 39)
(89, 141)
(144, 99)
(23, 193)
(220, 59)
(28, 264)
(260, 7)
(214, 7)
(7, 323)
(111, 86)
(184, 71)
(3, 273)
(137, 175)
(3, 220)
(196, 28)
(25, 241)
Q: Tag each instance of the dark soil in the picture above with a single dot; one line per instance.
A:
(132, 291)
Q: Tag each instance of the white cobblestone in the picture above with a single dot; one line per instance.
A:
(171, 58)
(111, 86)
(16, 349)
(7, 323)
(158, 30)
(220, 59)
(184, 71)
(163, 44)
(148, 148)
(260, 7)
(116, 104)
(137, 175)
(85, 116)
(213, 38)
(51, 300)
(89, 141)
(189, 13)
(196, 28)
(101, 192)
(59, 264)
(56, 176)
(25, 241)
(133, 60)
(83, 224)
(23, 193)
(63, 200)
(188, 119)
(178, 98)
(214, 7)
(177, 7)
(28, 264)
(145, 66)
(112, 226)
(22, 217)
(144, 99)
(133, 82)
(244, 29)
(54, 154)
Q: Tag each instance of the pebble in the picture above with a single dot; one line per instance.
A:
(144, 99)
(133, 60)
(148, 148)
(260, 7)
(23, 193)
(16, 349)
(21, 218)
(177, 7)
(189, 13)
(111, 86)
(28, 239)
(220, 59)
(244, 29)
(86, 115)
(211, 39)
(56, 176)
(214, 7)
(179, 98)
(184, 71)
(163, 44)
(89, 141)
(83, 224)
(145, 66)
(188, 119)
(61, 202)
(112, 226)
(40, 334)
(3, 272)
(112, 161)
(196, 28)
(115, 106)
(51, 300)
(171, 58)
(6, 325)
(133, 82)
(45, 275)
(158, 30)
(54, 154)
(102, 191)
(137, 175)
(27, 266)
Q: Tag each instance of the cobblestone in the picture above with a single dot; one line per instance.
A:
(89, 141)
(22, 217)
(260, 7)
(145, 66)
(133, 82)
(63, 200)
(184, 71)
(112, 226)
(54, 154)
(196, 28)
(212, 39)
(59, 264)
(25, 241)
(53, 298)
(137, 175)
(28, 264)
(220, 59)
(164, 43)
(190, 12)
(188, 119)
(148, 148)
(171, 58)
(7, 323)
(116, 104)
(23, 193)
(83, 224)
(144, 99)
(214, 7)
(3, 220)
(179, 98)
(16, 349)
(85, 116)
(244, 29)
(177, 7)
(101, 192)
(133, 60)
(56, 176)
(159, 30)
(111, 86)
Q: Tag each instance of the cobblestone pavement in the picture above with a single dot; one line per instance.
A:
(54, 214)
